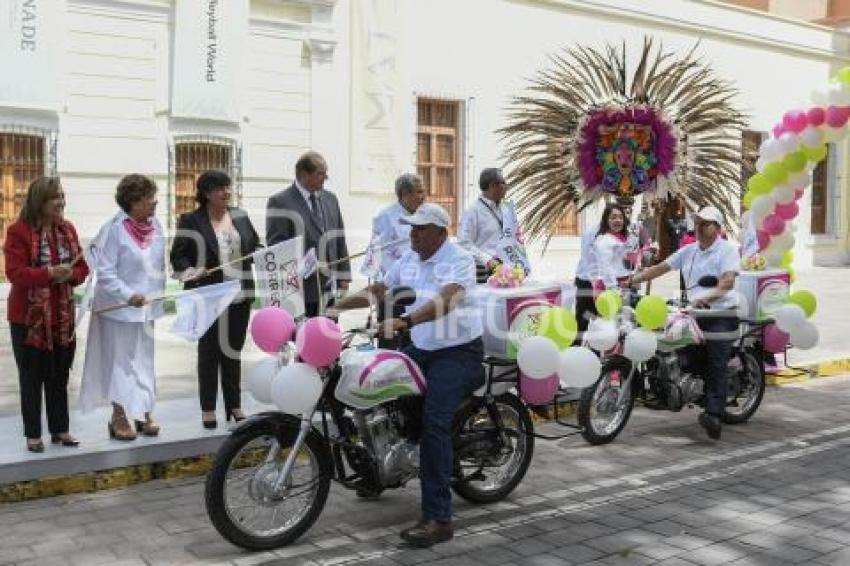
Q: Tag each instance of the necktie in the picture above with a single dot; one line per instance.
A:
(314, 206)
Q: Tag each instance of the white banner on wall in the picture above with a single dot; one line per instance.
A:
(379, 100)
(209, 36)
(31, 36)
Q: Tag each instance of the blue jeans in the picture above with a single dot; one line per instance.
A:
(720, 329)
(452, 375)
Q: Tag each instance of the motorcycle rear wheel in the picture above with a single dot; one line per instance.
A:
(489, 470)
(241, 500)
(746, 389)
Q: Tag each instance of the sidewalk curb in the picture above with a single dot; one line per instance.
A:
(197, 466)
(812, 370)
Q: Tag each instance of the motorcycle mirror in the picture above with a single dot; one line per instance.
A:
(708, 281)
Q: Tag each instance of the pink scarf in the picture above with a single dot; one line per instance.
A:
(140, 231)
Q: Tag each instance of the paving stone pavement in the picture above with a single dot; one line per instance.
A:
(774, 491)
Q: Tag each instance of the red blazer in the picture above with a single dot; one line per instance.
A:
(20, 271)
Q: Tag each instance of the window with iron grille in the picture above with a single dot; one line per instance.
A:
(567, 224)
(23, 158)
(438, 154)
(192, 156)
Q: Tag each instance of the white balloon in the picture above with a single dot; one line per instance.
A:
(783, 194)
(773, 255)
(799, 180)
(578, 367)
(296, 388)
(834, 134)
(640, 345)
(762, 162)
(837, 95)
(811, 136)
(789, 317)
(761, 207)
(770, 150)
(601, 334)
(784, 241)
(789, 142)
(806, 336)
(259, 379)
(537, 357)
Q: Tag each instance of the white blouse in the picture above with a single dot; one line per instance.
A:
(610, 259)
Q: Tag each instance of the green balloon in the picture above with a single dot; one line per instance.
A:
(759, 184)
(795, 162)
(815, 154)
(651, 312)
(806, 300)
(608, 304)
(843, 75)
(559, 325)
(776, 173)
(747, 201)
(787, 259)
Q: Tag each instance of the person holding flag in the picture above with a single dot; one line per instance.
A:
(213, 244)
(129, 262)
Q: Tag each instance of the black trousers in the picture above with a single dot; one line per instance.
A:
(720, 329)
(585, 306)
(42, 372)
(220, 351)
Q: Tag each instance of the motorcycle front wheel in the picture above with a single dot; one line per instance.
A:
(245, 501)
(605, 407)
(494, 444)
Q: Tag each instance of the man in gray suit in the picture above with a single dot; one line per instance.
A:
(305, 209)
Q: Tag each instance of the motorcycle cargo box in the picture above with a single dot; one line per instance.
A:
(760, 293)
(371, 376)
(511, 314)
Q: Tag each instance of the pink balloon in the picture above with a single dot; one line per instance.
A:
(798, 194)
(775, 340)
(778, 130)
(318, 341)
(773, 225)
(787, 211)
(763, 238)
(795, 121)
(538, 391)
(816, 116)
(271, 328)
(836, 116)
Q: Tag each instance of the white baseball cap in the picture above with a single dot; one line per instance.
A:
(427, 213)
(710, 214)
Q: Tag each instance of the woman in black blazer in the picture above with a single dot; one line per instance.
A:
(212, 235)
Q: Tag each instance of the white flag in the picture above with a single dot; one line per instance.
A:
(308, 264)
(198, 308)
(278, 278)
(371, 267)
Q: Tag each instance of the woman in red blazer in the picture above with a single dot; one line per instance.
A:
(44, 261)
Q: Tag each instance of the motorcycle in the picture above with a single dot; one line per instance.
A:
(669, 380)
(270, 479)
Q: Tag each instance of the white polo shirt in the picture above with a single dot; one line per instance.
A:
(694, 263)
(450, 264)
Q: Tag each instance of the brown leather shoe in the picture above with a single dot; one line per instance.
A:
(428, 532)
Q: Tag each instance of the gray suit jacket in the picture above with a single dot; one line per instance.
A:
(288, 215)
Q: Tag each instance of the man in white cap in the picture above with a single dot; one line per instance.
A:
(713, 256)
(445, 328)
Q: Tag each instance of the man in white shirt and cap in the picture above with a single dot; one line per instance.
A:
(386, 227)
(445, 327)
(713, 256)
(483, 224)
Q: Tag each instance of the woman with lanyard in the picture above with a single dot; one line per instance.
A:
(484, 223)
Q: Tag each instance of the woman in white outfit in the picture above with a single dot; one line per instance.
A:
(130, 267)
(611, 247)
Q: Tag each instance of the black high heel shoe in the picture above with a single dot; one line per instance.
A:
(66, 440)
(231, 415)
